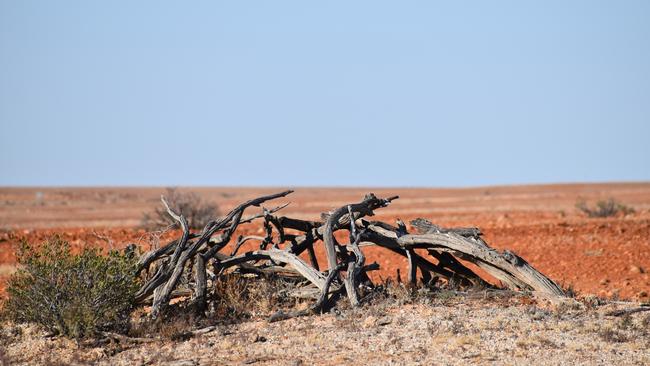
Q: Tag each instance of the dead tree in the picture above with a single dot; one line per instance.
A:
(279, 251)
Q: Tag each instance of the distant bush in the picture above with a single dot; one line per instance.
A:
(75, 295)
(606, 208)
(197, 212)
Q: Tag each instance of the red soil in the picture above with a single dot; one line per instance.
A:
(606, 257)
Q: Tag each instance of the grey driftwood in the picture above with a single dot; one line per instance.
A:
(432, 251)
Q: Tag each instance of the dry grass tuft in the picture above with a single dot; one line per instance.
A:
(236, 297)
(606, 208)
(613, 335)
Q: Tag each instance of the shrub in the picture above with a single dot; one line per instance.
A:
(76, 295)
(613, 336)
(606, 208)
(238, 297)
(197, 212)
(233, 298)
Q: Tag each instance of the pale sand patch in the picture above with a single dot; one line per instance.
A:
(7, 269)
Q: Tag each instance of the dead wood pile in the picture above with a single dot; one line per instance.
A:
(285, 239)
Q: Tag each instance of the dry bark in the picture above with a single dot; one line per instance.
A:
(278, 254)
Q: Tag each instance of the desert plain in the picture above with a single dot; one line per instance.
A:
(607, 258)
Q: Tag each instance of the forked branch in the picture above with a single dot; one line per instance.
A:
(286, 238)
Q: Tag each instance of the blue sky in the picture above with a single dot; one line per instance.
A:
(280, 93)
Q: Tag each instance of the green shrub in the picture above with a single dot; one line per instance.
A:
(606, 208)
(76, 295)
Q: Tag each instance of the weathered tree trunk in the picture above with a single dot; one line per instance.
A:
(346, 262)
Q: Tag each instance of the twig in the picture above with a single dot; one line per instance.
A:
(628, 311)
(126, 339)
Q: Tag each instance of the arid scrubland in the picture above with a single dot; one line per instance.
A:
(252, 308)
(443, 328)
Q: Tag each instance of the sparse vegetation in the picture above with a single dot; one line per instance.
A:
(233, 299)
(195, 285)
(197, 212)
(238, 297)
(417, 330)
(613, 335)
(604, 208)
(76, 295)
(569, 290)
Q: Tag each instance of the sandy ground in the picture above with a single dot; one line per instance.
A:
(455, 331)
(607, 257)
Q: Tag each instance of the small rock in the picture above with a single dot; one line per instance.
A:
(636, 269)
(181, 363)
(369, 322)
(604, 281)
(384, 321)
(260, 338)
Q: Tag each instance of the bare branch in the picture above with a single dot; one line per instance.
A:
(346, 263)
